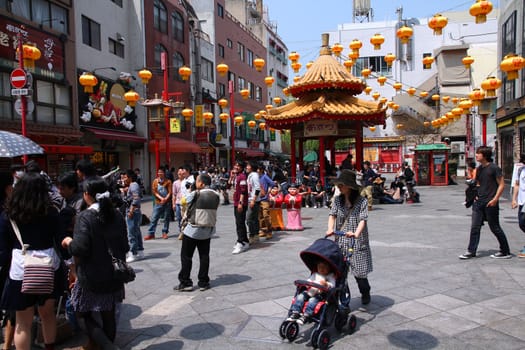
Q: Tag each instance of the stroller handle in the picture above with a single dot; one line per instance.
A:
(305, 283)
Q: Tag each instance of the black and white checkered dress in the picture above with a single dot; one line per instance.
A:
(361, 259)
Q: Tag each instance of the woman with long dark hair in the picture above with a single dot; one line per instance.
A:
(30, 208)
(349, 214)
(100, 231)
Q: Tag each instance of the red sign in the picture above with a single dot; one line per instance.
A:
(18, 78)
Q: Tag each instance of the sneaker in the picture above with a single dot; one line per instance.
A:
(240, 247)
(269, 235)
(148, 237)
(254, 239)
(262, 234)
(140, 254)
(183, 287)
(204, 287)
(164, 236)
(500, 255)
(302, 319)
(132, 258)
(467, 255)
(521, 254)
(294, 316)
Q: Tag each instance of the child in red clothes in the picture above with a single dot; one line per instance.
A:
(293, 201)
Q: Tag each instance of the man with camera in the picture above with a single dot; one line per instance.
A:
(161, 189)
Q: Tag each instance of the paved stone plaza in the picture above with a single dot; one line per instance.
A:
(423, 296)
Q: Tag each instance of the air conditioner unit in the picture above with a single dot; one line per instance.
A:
(457, 147)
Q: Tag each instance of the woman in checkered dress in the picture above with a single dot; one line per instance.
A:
(350, 214)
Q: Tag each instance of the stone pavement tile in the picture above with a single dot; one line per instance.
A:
(142, 342)
(413, 310)
(479, 314)
(385, 299)
(264, 308)
(381, 319)
(408, 292)
(178, 303)
(413, 335)
(499, 278)
(246, 297)
(512, 326)
(447, 323)
(232, 316)
(441, 302)
(211, 302)
(511, 305)
(487, 338)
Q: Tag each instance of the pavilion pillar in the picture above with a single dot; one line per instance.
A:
(331, 144)
(300, 161)
(293, 159)
(359, 146)
(322, 168)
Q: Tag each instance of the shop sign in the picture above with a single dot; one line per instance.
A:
(319, 127)
(174, 125)
(199, 119)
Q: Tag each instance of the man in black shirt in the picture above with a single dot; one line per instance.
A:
(490, 183)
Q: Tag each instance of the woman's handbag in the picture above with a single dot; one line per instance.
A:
(39, 271)
(122, 272)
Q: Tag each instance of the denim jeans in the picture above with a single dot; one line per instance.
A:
(480, 211)
(303, 297)
(159, 210)
(178, 215)
(252, 219)
(134, 234)
(521, 218)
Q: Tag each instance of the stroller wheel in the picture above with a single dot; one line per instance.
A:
(313, 338)
(292, 331)
(323, 340)
(340, 321)
(352, 323)
(282, 329)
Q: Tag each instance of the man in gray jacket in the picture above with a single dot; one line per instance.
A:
(201, 218)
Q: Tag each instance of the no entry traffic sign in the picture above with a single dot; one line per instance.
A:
(18, 78)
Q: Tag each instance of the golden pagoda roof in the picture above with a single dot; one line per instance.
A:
(327, 73)
(327, 105)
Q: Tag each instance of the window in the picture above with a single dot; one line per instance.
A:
(375, 64)
(249, 57)
(207, 70)
(53, 104)
(178, 61)
(258, 94)
(229, 43)
(222, 90)
(250, 87)
(159, 49)
(177, 25)
(241, 83)
(220, 11)
(90, 33)
(116, 48)
(117, 2)
(160, 17)
(221, 51)
(231, 78)
(508, 40)
(240, 51)
(509, 90)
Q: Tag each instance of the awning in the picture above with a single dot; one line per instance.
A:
(177, 145)
(115, 135)
(250, 152)
(67, 149)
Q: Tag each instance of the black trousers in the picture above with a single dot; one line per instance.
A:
(186, 257)
(363, 285)
(240, 224)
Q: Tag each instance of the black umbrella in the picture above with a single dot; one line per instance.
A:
(14, 145)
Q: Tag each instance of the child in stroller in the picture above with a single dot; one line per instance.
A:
(329, 304)
(312, 295)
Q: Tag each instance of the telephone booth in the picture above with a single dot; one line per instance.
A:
(431, 166)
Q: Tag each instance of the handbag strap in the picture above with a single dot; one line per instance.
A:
(18, 235)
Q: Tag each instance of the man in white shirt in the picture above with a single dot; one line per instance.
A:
(518, 197)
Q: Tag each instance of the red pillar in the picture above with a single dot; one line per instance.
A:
(359, 146)
(232, 121)
(301, 154)
(293, 158)
(322, 169)
(484, 129)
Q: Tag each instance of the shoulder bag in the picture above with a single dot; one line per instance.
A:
(39, 271)
(122, 272)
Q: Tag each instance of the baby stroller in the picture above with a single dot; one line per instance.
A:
(334, 308)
